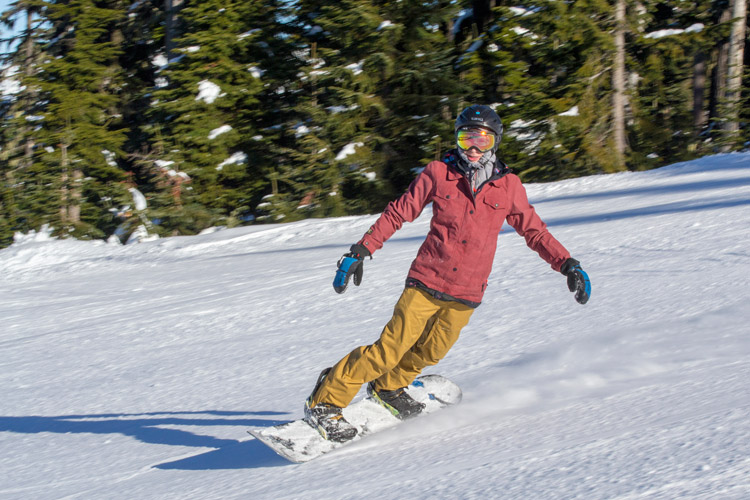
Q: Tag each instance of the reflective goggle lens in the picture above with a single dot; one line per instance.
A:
(480, 139)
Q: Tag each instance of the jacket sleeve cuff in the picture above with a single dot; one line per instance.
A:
(369, 245)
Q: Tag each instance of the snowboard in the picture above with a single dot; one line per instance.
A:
(299, 442)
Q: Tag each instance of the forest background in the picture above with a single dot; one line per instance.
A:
(128, 119)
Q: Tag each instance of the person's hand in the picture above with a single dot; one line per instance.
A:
(350, 265)
(578, 280)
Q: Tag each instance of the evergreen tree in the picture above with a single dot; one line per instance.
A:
(378, 98)
(223, 112)
(141, 37)
(80, 133)
(618, 84)
(18, 111)
(422, 91)
(669, 50)
(210, 113)
(335, 142)
(735, 71)
(547, 67)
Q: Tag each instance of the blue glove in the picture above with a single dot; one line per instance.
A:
(578, 280)
(350, 265)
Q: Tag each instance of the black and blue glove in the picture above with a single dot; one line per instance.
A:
(350, 265)
(578, 280)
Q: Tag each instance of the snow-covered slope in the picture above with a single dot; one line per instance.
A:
(133, 372)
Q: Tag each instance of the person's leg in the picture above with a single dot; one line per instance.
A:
(366, 363)
(438, 337)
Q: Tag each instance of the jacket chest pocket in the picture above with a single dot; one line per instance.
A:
(495, 207)
(448, 205)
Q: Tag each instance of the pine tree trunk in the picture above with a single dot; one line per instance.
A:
(64, 180)
(735, 70)
(74, 211)
(699, 92)
(70, 192)
(719, 78)
(618, 84)
(172, 9)
(28, 150)
(483, 13)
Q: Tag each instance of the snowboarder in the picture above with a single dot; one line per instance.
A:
(472, 194)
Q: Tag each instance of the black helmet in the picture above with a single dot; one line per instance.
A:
(479, 115)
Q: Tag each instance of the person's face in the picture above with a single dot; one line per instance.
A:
(473, 154)
(474, 142)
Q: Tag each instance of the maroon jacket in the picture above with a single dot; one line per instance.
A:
(456, 256)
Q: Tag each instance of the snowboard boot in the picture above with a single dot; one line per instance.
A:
(398, 402)
(328, 419)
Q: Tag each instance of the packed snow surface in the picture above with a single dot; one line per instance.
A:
(134, 371)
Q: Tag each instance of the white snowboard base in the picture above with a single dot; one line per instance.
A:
(298, 442)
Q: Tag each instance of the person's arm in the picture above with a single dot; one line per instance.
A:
(404, 209)
(528, 224)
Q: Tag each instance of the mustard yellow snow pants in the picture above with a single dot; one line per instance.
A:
(420, 334)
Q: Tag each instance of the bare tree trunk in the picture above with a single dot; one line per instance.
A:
(618, 84)
(735, 69)
(76, 194)
(719, 79)
(108, 82)
(172, 9)
(70, 191)
(699, 92)
(483, 13)
(28, 149)
(65, 179)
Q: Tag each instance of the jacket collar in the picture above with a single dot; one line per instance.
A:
(501, 170)
(451, 160)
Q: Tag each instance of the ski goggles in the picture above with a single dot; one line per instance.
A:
(483, 140)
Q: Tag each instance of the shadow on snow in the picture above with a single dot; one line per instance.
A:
(685, 187)
(149, 428)
(654, 210)
(664, 209)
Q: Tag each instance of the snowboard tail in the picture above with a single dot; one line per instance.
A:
(299, 442)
